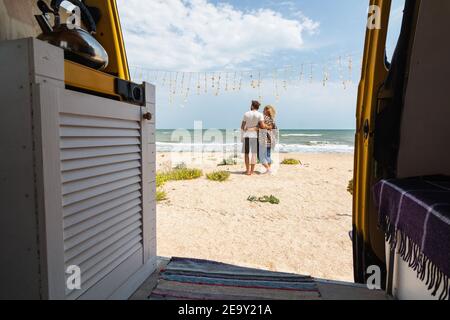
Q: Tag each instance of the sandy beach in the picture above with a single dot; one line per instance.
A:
(307, 233)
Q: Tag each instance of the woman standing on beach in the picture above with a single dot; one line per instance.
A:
(267, 138)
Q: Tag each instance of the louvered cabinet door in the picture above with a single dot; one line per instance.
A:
(99, 163)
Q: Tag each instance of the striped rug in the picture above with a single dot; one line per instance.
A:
(193, 279)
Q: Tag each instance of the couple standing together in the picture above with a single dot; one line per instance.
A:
(258, 133)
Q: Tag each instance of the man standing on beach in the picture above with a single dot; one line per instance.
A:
(252, 120)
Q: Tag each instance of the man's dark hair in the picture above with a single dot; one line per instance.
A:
(255, 105)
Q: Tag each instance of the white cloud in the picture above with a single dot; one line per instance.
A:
(196, 35)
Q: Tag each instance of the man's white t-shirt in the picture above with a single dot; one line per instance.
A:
(252, 120)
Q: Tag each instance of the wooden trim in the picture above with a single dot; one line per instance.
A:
(145, 190)
(46, 123)
(148, 177)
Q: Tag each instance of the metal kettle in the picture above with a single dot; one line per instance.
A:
(79, 45)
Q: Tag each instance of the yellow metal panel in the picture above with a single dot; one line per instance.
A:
(79, 76)
(109, 34)
(373, 75)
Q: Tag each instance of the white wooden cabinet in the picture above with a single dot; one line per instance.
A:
(77, 176)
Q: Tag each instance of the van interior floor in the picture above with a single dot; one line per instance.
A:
(193, 279)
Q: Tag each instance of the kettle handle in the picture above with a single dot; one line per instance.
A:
(86, 15)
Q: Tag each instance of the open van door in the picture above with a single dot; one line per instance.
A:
(379, 107)
(368, 242)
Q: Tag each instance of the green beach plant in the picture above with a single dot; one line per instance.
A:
(291, 162)
(264, 199)
(176, 174)
(184, 174)
(220, 176)
(161, 195)
(228, 162)
(161, 179)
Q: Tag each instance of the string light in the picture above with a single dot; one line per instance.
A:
(326, 75)
(178, 83)
(218, 84)
(188, 89)
(226, 82)
(240, 82)
(301, 72)
(198, 84)
(182, 84)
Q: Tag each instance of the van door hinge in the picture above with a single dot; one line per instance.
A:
(366, 129)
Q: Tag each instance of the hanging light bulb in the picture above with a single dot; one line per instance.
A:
(175, 85)
(301, 72)
(285, 79)
(325, 75)
(188, 89)
(198, 84)
(182, 84)
(240, 81)
(218, 84)
(226, 82)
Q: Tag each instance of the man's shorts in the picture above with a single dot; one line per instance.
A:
(250, 146)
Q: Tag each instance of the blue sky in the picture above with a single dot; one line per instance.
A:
(242, 35)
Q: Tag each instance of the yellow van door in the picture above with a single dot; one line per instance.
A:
(368, 242)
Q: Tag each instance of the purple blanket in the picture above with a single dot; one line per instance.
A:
(415, 215)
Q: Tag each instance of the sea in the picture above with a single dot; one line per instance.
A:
(228, 140)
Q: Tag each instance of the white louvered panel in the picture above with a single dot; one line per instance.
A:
(80, 153)
(102, 199)
(99, 190)
(101, 219)
(95, 275)
(108, 199)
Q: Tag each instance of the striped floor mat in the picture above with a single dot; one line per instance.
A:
(185, 279)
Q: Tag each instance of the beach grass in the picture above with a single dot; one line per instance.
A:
(291, 162)
(228, 162)
(219, 176)
(161, 179)
(264, 199)
(161, 195)
(184, 174)
(177, 174)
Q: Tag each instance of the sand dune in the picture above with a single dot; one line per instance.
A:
(306, 233)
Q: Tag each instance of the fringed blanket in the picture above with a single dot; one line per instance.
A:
(415, 215)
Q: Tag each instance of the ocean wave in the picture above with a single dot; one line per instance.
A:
(302, 135)
(237, 147)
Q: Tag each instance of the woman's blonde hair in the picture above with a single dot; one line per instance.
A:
(271, 110)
